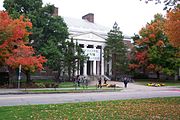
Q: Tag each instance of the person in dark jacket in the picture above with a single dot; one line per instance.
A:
(125, 82)
(99, 83)
(78, 80)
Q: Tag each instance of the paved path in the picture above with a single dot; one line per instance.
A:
(133, 91)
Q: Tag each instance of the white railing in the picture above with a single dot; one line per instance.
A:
(106, 77)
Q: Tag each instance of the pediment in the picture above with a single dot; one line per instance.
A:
(89, 37)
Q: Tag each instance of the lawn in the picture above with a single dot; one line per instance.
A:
(167, 83)
(138, 109)
(66, 84)
(74, 90)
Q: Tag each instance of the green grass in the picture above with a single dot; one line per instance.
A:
(43, 81)
(66, 84)
(73, 90)
(138, 109)
(167, 83)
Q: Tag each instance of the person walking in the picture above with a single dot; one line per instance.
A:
(125, 82)
(105, 81)
(99, 82)
(78, 80)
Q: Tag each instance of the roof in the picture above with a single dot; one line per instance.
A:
(79, 26)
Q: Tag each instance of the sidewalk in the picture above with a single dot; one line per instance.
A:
(10, 91)
(131, 87)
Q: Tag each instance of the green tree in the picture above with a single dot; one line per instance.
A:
(116, 51)
(48, 30)
(153, 50)
(44, 23)
(73, 56)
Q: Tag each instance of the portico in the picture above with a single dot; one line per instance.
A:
(93, 47)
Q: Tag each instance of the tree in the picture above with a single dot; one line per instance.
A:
(153, 51)
(168, 3)
(116, 51)
(48, 30)
(13, 45)
(11, 32)
(45, 25)
(25, 56)
(172, 27)
(73, 56)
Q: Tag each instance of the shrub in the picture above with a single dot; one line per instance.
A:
(40, 85)
(156, 84)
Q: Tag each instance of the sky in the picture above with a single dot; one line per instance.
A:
(131, 15)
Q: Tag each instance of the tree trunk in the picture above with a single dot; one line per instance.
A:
(69, 73)
(28, 77)
(58, 75)
(12, 82)
(176, 75)
(158, 75)
(113, 67)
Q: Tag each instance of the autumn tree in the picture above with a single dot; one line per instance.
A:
(153, 51)
(13, 45)
(116, 51)
(172, 27)
(49, 32)
(11, 32)
(45, 25)
(25, 56)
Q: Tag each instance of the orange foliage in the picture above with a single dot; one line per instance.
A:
(160, 43)
(10, 32)
(133, 66)
(13, 48)
(151, 67)
(24, 55)
(150, 35)
(172, 27)
(141, 57)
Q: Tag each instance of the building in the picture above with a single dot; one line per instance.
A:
(91, 37)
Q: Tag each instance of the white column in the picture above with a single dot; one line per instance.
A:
(85, 68)
(94, 64)
(94, 67)
(78, 69)
(98, 69)
(85, 64)
(91, 67)
(77, 72)
(110, 67)
(102, 61)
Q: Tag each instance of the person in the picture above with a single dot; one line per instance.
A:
(105, 81)
(99, 83)
(78, 80)
(85, 82)
(125, 82)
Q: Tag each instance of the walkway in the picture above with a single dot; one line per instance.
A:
(133, 91)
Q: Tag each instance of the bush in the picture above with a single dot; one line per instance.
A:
(40, 85)
(156, 84)
(140, 76)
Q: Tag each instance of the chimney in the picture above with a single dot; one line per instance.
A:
(89, 17)
(55, 11)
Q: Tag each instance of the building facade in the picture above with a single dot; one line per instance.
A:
(91, 37)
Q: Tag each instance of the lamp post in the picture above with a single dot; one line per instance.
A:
(19, 76)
